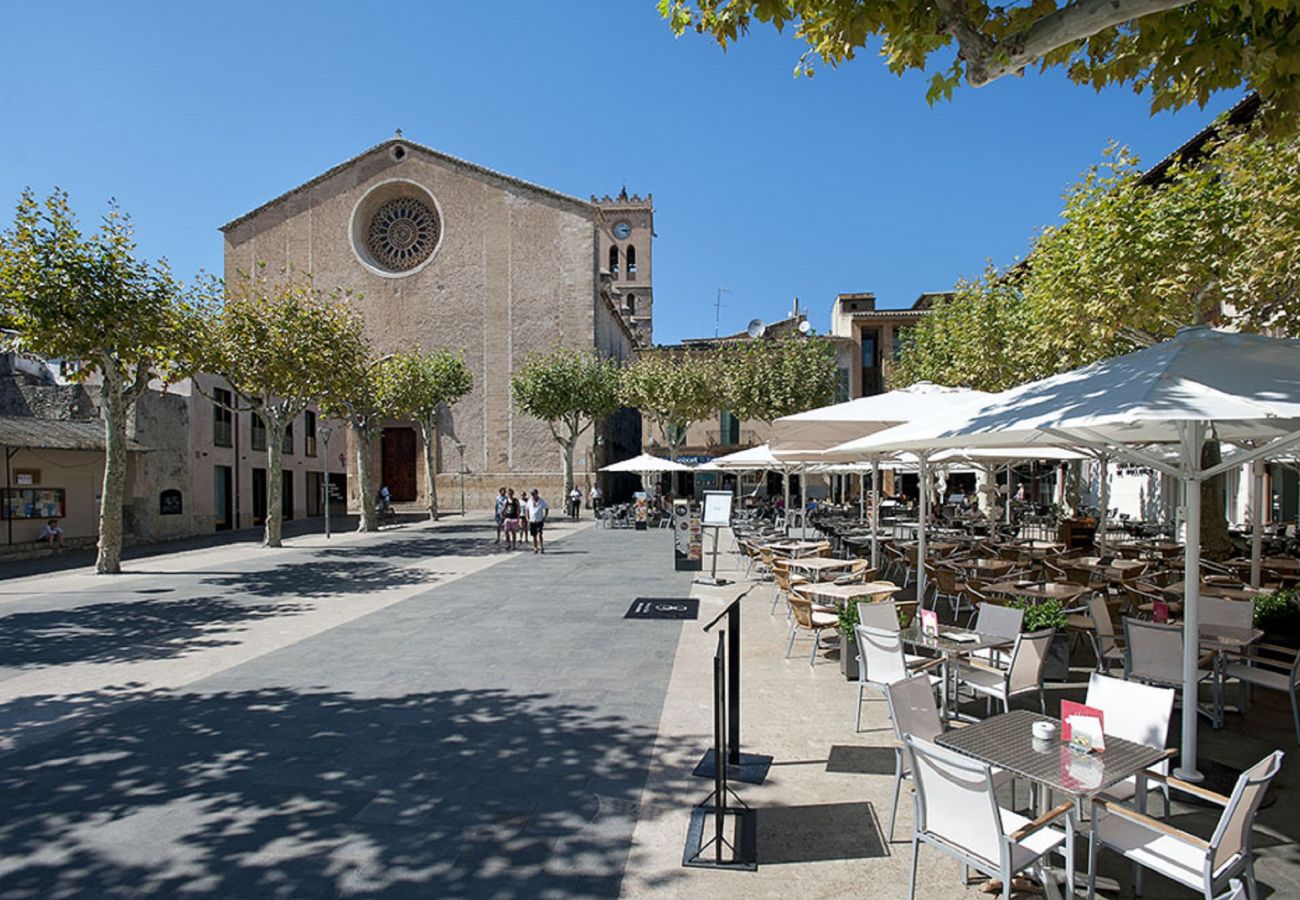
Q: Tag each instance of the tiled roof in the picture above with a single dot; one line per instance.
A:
(54, 434)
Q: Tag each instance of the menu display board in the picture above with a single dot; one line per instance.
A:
(717, 509)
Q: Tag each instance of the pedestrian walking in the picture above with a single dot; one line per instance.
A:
(537, 510)
(501, 500)
(596, 497)
(510, 516)
(575, 502)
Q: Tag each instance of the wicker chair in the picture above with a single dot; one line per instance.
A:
(804, 616)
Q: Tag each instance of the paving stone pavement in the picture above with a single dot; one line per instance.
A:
(218, 725)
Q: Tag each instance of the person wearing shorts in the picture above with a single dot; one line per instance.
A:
(501, 499)
(537, 510)
(510, 518)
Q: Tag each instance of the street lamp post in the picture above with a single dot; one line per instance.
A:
(460, 448)
(325, 432)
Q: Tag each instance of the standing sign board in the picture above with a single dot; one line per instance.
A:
(688, 538)
(717, 509)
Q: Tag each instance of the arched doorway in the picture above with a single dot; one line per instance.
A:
(397, 469)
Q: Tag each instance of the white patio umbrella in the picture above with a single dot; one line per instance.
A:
(1241, 389)
(807, 436)
(646, 464)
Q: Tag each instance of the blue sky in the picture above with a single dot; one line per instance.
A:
(192, 114)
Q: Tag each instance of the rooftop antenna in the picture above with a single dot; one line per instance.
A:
(717, 310)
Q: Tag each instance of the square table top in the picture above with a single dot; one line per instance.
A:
(846, 593)
(1039, 590)
(1007, 742)
(950, 647)
(993, 564)
(1210, 589)
(820, 563)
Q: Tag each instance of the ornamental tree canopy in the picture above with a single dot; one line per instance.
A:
(1176, 51)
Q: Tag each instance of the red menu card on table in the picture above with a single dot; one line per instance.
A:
(1083, 726)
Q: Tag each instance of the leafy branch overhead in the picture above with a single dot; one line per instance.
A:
(767, 379)
(673, 390)
(1177, 51)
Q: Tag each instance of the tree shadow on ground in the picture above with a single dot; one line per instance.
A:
(423, 546)
(277, 793)
(127, 630)
(321, 578)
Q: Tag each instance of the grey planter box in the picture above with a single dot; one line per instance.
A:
(1057, 665)
(849, 658)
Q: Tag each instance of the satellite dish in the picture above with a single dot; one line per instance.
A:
(805, 326)
(755, 328)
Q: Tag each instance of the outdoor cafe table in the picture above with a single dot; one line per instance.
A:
(948, 647)
(1006, 742)
(794, 549)
(1210, 589)
(1284, 567)
(1039, 590)
(993, 567)
(816, 567)
(938, 548)
(1115, 570)
(841, 594)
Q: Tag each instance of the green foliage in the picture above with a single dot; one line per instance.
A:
(1040, 614)
(86, 298)
(1278, 613)
(566, 388)
(1128, 265)
(1177, 56)
(414, 384)
(767, 379)
(672, 390)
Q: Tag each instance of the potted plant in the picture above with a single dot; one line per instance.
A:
(849, 641)
(1040, 614)
(1278, 616)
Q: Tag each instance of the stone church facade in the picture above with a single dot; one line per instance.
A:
(443, 252)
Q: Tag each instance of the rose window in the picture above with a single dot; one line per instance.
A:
(402, 234)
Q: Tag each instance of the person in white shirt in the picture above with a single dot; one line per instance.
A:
(596, 497)
(537, 510)
(575, 502)
(51, 534)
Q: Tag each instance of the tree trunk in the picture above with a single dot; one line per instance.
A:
(115, 409)
(274, 482)
(365, 486)
(1215, 544)
(567, 447)
(429, 430)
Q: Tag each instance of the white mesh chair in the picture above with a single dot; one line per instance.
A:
(881, 662)
(1024, 672)
(1101, 632)
(1002, 621)
(912, 711)
(1135, 712)
(1153, 654)
(1204, 866)
(957, 812)
(1222, 611)
(880, 613)
(1272, 667)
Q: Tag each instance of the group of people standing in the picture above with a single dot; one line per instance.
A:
(524, 514)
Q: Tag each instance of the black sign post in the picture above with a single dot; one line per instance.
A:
(742, 854)
(751, 768)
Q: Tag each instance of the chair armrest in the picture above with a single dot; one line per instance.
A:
(1147, 822)
(976, 664)
(925, 665)
(1041, 822)
(1179, 784)
(1291, 652)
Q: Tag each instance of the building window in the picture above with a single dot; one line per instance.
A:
(288, 439)
(222, 417)
(170, 503)
(631, 304)
(869, 341)
(309, 433)
(256, 432)
(729, 429)
(631, 263)
(613, 261)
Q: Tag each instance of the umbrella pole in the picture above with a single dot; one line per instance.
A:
(1193, 437)
(1257, 519)
(923, 516)
(1103, 493)
(803, 502)
(875, 513)
(785, 473)
(862, 495)
(1010, 471)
